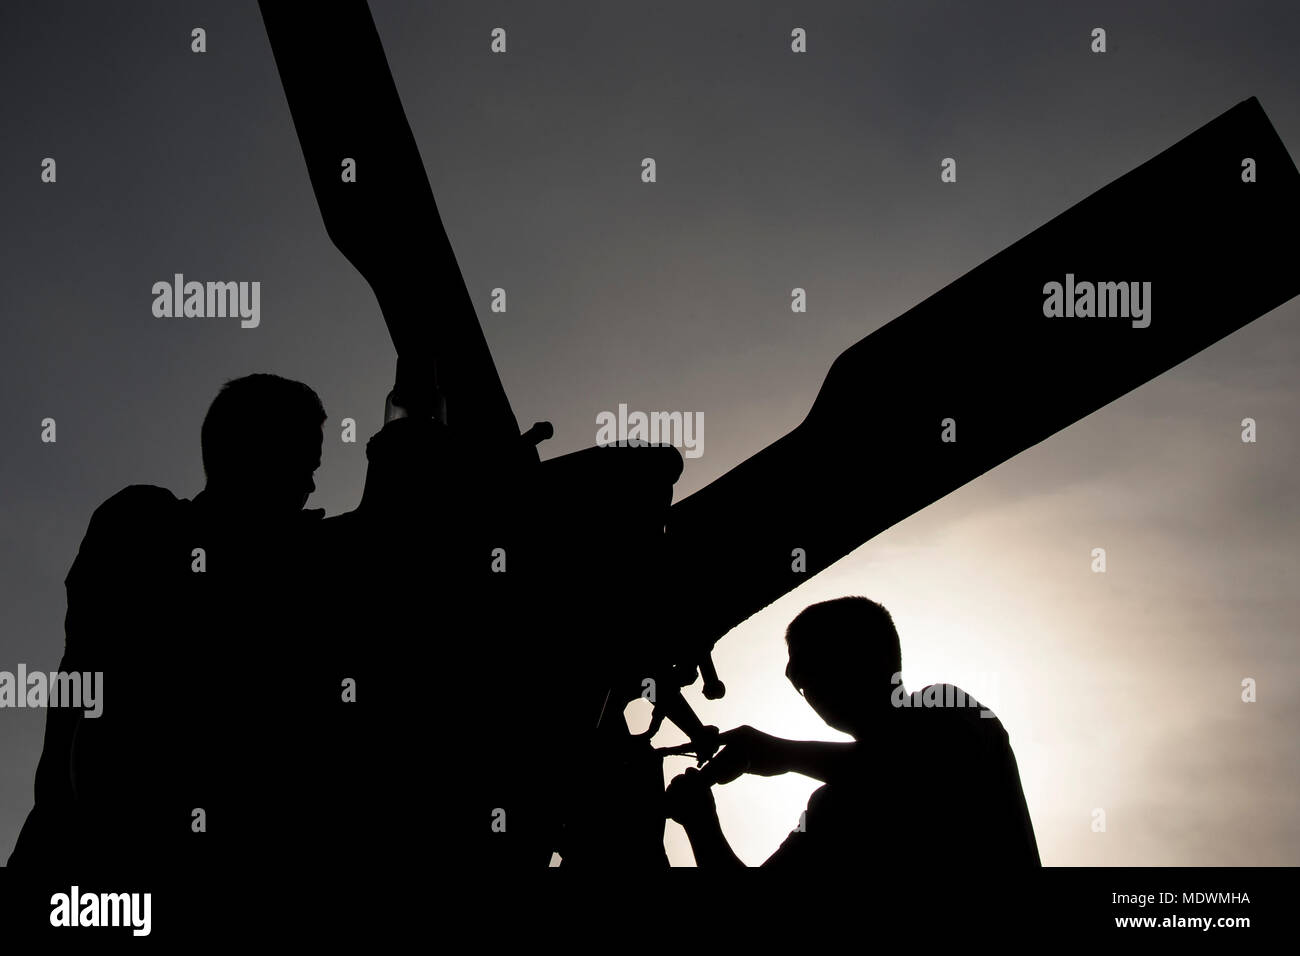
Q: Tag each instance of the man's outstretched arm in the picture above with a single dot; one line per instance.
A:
(746, 750)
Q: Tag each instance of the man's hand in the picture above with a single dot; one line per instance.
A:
(689, 799)
(746, 750)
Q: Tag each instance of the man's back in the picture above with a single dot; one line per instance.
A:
(195, 619)
(939, 785)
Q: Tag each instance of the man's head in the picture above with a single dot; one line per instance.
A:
(844, 655)
(262, 441)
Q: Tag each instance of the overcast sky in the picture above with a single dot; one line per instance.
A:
(1120, 691)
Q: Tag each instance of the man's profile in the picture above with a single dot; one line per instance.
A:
(193, 610)
(922, 784)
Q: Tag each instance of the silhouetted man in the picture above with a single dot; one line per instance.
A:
(195, 612)
(929, 781)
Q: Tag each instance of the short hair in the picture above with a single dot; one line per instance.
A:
(249, 418)
(848, 632)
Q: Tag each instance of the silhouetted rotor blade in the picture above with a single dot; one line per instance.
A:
(345, 107)
(1218, 251)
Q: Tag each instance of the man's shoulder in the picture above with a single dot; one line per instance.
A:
(949, 704)
(135, 500)
(945, 723)
(124, 524)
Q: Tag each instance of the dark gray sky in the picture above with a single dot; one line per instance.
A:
(774, 171)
